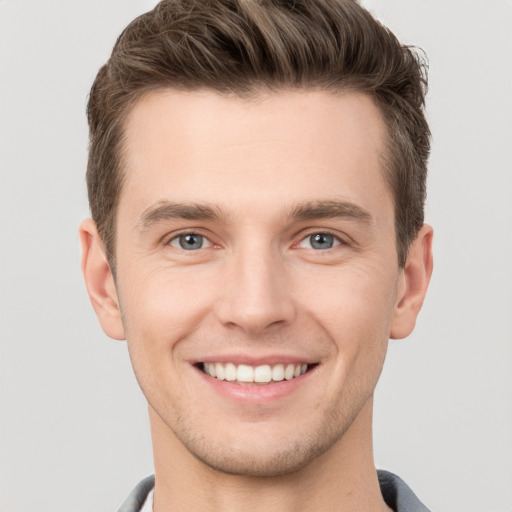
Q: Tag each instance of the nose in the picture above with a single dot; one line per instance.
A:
(256, 294)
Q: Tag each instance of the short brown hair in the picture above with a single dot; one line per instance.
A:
(241, 46)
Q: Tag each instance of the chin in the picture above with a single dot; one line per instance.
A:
(247, 463)
(261, 455)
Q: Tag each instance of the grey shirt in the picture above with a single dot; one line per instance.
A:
(395, 491)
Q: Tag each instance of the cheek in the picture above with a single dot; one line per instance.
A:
(353, 303)
(164, 298)
(355, 308)
(160, 309)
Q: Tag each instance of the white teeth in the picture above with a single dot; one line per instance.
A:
(261, 374)
(245, 373)
(278, 372)
(230, 371)
(288, 373)
(219, 370)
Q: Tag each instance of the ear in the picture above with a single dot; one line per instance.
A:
(413, 284)
(100, 281)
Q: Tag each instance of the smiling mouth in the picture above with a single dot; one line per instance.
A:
(246, 374)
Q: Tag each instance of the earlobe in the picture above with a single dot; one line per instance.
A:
(414, 280)
(100, 281)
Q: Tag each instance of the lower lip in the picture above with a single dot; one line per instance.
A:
(255, 393)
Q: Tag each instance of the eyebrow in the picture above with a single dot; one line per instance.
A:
(310, 210)
(330, 210)
(167, 210)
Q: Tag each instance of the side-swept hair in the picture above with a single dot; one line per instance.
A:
(242, 46)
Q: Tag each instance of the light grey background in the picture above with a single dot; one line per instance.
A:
(74, 432)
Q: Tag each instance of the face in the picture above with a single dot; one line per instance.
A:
(257, 273)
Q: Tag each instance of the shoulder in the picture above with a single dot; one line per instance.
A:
(138, 496)
(398, 495)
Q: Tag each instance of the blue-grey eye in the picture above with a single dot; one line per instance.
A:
(321, 241)
(188, 241)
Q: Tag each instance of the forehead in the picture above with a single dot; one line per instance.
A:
(280, 146)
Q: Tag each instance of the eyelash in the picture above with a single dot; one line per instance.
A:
(176, 238)
(338, 241)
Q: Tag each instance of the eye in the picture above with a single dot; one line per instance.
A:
(319, 241)
(190, 242)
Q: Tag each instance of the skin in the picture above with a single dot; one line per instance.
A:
(256, 179)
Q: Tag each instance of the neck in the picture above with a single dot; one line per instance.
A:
(342, 479)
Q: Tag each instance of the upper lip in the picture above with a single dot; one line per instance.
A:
(254, 360)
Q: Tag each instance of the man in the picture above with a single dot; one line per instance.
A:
(256, 180)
